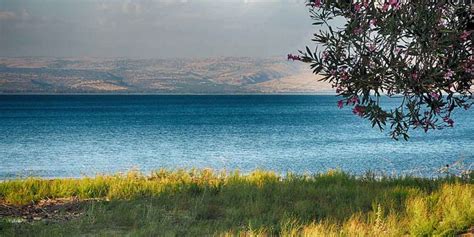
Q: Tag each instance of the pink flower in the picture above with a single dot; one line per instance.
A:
(344, 76)
(325, 55)
(317, 3)
(448, 75)
(357, 31)
(427, 124)
(366, 3)
(372, 22)
(333, 72)
(385, 7)
(340, 104)
(469, 67)
(442, 23)
(372, 47)
(314, 3)
(395, 4)
(414, 76)
(464, 36)
(448, 120)
(359, 110)
(435, 95)
(354, 100)
(357, 7)
(397, 50)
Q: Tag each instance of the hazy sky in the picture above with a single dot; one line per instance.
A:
(153, 28)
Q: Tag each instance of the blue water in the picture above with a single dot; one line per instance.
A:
(71, 136)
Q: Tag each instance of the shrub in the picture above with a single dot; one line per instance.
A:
(417, 50)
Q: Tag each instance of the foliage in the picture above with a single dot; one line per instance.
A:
(418, 50)
(206, 203)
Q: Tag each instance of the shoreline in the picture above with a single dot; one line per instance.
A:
(377, 175)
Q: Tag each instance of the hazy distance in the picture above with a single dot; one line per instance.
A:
(153, 28)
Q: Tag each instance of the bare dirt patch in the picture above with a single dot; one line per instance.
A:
(61, 209)
(468, 233)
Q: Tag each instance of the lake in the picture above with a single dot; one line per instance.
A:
(77, 135)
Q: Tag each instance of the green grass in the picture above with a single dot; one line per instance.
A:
(202, 202)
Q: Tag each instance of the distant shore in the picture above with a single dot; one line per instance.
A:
(182, 94)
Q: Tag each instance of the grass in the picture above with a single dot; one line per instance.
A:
(205, 203)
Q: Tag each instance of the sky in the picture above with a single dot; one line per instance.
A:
(153, 28)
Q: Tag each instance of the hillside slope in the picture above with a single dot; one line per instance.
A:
(215, 75)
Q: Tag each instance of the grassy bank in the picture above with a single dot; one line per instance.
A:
(201, 202)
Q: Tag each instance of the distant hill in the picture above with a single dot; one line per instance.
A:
(197, 76)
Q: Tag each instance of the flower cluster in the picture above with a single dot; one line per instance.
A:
(416, 52)
(359, 110)
(354, 100)
(314, 3)
(394, 4)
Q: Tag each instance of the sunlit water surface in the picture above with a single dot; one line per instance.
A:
(72, 136)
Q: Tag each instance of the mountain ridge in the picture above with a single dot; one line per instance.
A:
(161, 76)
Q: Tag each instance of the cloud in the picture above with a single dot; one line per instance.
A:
(153, 28)
(7, 15)
(130, 7)
(25, 15)
(21, 15)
